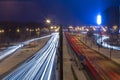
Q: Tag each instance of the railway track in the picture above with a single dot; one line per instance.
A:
(101, 67)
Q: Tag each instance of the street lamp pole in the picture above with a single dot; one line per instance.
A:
(48, 21)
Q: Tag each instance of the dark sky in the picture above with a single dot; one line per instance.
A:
(66, 12)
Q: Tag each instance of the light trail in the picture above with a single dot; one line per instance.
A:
(40, 67)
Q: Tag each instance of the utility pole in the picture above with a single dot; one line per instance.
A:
(61, 52)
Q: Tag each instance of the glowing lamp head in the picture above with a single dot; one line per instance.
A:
(48, 21)
(99, 19)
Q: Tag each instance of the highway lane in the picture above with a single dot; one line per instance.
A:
(40, 66)
(101, 67)
(14, 48)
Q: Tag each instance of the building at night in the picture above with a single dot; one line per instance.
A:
(111, 16)
(111, 19)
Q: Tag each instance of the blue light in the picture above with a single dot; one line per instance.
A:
(99, 19)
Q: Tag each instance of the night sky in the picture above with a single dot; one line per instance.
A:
(65, 12)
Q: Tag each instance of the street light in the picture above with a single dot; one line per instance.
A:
(48, 21)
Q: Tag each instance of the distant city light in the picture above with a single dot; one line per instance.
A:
(2, 31)
(18, 30)
(115, 27)
(27, 29)
(99, 19)
(51, 27)
(87, 30)
(70, 26)
(94, 28)
(104, 29)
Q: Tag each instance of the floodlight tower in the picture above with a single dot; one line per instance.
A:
(99, 21)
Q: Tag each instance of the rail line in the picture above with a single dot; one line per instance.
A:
(101, 67)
